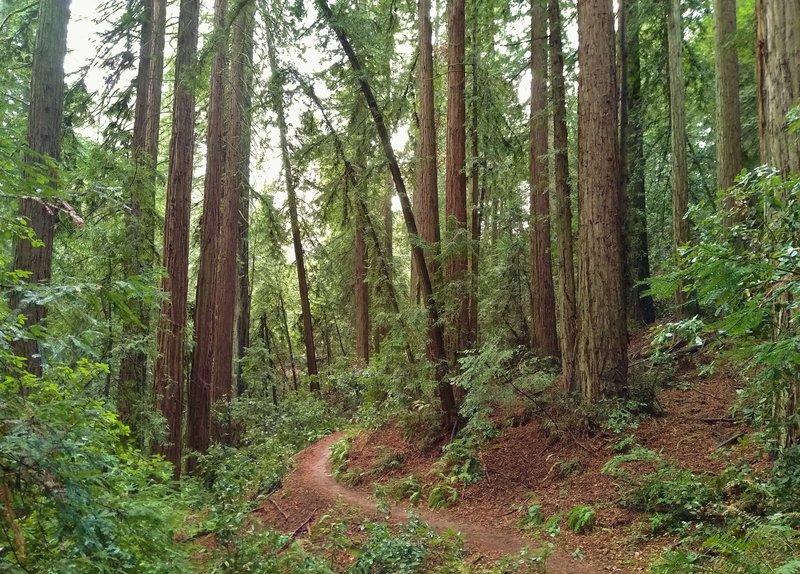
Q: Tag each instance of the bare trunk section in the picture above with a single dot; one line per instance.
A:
(426, 198)
(633, 164)
(140, 221)
(476, 195)
(456, 183)
(729, 122)
(168, 377)
(361, 290)
(200, 387)
(677, 110)
(568, 310)
(603, 331)
(446, 397)
(45, 116)
(544, 336)
(227, 279)
(302, 280)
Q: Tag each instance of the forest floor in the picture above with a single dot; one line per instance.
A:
(527, 464)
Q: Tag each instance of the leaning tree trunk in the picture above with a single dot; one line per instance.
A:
(436, 336)
(632, 146)
(168, 376)
(294, 220)
(568, 310)
(45, 115)
(544, 337)
(603, 331)
(456, 182)
(200, 387)
(141, 217)
(677, 111)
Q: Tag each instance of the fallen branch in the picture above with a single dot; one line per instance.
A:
(728, 441)
(285, 517)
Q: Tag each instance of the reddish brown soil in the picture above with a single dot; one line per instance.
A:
(525, 465)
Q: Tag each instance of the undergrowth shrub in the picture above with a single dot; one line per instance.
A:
(581, 518)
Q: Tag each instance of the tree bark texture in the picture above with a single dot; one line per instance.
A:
(544, 336)
(426, 198)
(568, 309)
(361, 291)
(729, 122)
(603, 336)
(45, 115)
(168, 377)
(638, 257)
(677, 112)
(201, 394)
(456, 182)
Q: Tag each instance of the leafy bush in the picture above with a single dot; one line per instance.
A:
(442, 496)
(581, 518)
(383, 552)
(408, 488)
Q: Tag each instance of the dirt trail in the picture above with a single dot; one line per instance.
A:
(312, 485)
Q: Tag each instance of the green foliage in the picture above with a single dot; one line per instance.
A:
(581, 518)
(383, 552)
(677, 497)
(408, 488)
(533, 516)
(81, 499)
(442, 495)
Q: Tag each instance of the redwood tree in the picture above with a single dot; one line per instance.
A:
(45, 114)
(603, 339)
(200, 387)
(544, 337)
(456, 181)
(168, 376)
(729, 122)
(568, 310)
(361, 290)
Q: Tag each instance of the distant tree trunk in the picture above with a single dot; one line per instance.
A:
(200, 387)
(436, 336)
(603, 335)
(388, 253)
(543, 303)
(638, 260)
(227, 278)
(729, 122)
(426, 198)
(778, 69)
(456, 181)
(243, 299)
(778, 80)
(361, 290)
(168, 377)
(291, 193)
(568, 310)
(141, 218)
(45, 115)
(677, 109)
(288, 340)
(477, 200)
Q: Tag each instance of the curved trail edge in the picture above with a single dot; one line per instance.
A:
(313, 472)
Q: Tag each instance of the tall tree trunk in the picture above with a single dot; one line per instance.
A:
(603, 336)
(543, 302)
(243, 299)
(436, 336)
(361, 290)
(288, 340)
(200, 387)
(426, 198)
(729, 122)
(227, 279)
(141, 217)
(388, 253)
(291, 193)
(778, 80)
(456, 182)
(677, 109)
(476, 197)
(632, 147)
(778, 68)
(45, 115)
(168, 376)
(568, 310)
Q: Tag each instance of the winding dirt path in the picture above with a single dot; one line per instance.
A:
(311, 489)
